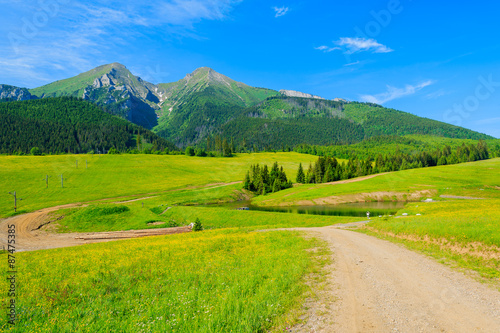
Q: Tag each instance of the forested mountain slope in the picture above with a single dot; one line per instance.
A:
(282, 121)
(67, 124)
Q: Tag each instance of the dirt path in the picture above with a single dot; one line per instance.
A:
(354, 180)
(378, 286)
(459, 197)
(135, 200)
(30, 236)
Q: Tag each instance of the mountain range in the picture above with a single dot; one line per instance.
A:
(205, 104)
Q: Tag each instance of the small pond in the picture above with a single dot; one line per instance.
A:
(349, 209)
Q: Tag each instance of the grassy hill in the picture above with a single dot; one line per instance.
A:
(231, 278)
(73, 86)
(233, 92)
(67, 124)
(109, 176)
(475, 179)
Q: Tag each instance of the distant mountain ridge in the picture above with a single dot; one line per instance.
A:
(239, 93)
(293, 93)
(283, 121)
(201, 102)
(114, 87)
(12, 93)
(205, 104)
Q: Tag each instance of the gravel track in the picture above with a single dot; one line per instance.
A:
(378, 286)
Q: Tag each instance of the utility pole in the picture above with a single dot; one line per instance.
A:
(15, 200)
(47, 181)
(62, 181)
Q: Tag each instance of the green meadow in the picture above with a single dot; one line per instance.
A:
(213, 281)
(112, 176)
(228, 277)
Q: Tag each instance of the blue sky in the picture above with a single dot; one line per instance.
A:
(437, 60)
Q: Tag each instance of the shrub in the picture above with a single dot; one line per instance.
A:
(35, 151)
(189, 151)
(201, 152)
(197, 225)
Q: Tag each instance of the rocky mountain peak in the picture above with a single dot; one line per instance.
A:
(117, 65)
(199, 73)
(209, 76)
(293, 93)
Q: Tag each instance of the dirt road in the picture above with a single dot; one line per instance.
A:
(31, 235)
(374, 285)
(378, 286)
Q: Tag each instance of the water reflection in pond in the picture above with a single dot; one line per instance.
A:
(349, 209)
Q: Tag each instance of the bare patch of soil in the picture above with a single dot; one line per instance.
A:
(35, 231)
(354, 180)
(156, 223)
(459, 197)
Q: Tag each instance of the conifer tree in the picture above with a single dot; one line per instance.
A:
(247, 184)
(138, 141)
(301, 177)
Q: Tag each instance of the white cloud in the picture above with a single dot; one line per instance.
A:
(81, 34)
(280, 11)
(352, 45)
(327, 49)
(488, 121)
(395, 93)
(436, 94)
(186, 12)
(352, 63)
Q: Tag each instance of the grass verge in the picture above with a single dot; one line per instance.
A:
(463, 233)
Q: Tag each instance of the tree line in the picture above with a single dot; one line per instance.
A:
(328, 169)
